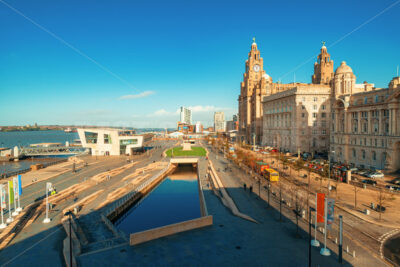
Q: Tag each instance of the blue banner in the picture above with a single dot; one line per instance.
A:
(19, 185)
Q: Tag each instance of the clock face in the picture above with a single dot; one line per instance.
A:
(256, 68)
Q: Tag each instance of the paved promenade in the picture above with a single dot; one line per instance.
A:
(40, 243)
(231, 241)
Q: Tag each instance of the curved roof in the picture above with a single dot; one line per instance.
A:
(343, 68)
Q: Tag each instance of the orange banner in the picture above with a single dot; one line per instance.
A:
(320, 207)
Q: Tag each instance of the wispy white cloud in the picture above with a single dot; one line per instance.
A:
(200, 108)
(140, 95)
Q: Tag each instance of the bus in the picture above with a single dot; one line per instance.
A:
(271, 175)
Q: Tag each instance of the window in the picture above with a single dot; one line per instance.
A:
(363, 154)
(314, 115)
(365, 100)
(303, 107)
(373, 155)
(315, 99)
(382, 143)
(323, 131)
(107, 139)
(376, 142)
(302, 132)
(303, 99)
(354, 153)
(376, 127)
(314, 123)
(323, 124)
(314, 132)
(91, 138)
(303, 115)
(315, 107)
(376, 99)
(323, 115)
(323, 107)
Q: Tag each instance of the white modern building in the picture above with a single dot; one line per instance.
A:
(186, 115)
(109, 141)
(219, 121)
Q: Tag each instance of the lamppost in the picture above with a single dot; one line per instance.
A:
(329, 170)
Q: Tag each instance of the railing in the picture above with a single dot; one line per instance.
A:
(46, 164)
(128, 196)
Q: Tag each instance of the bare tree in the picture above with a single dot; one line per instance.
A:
(298, 209)
(382, 198)
(356, 189)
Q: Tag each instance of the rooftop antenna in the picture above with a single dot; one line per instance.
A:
(397, 71)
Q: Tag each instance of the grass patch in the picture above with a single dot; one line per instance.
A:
(178, 152)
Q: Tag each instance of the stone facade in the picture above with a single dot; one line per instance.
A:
(356, 123)
(252, 89)
(366, 123)
(298, 119)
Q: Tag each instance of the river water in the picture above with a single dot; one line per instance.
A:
(175, 200)
(25, 138)
(11, 139)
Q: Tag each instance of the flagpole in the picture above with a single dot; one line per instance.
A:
(315, 242)
(15, 213)
(325, 251)
(2, 225)
(10, 219)
(47, 220)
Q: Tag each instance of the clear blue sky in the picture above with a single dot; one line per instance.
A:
(174, 53)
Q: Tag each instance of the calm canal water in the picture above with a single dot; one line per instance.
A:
(11, 139)
(173, 201)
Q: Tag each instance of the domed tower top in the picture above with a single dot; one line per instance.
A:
(343, 68)
(345, 80)
(323, 68)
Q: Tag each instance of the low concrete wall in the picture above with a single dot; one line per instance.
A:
(171, 229)
(203, 205)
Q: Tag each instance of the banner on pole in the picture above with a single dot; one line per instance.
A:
(11, 191)
(330, 212)
(19, 186)
(16, 191)
(320, 207)
(3, 196)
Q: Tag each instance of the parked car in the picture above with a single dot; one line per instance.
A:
(376, 175)
(353, 170)
(395, 181)
(361, 172)
(380, 208)
(371, 182)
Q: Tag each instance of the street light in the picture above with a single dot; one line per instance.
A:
(329, 170)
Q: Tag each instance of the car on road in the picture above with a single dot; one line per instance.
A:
(375, 175)
(361, 172)
(371, 182)
(395, 181)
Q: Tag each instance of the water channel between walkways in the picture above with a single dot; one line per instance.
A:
(174, 200)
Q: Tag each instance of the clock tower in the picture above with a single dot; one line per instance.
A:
(254, 86)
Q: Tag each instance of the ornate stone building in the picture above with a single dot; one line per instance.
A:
(252, 89)
(365, 122)
(297, 117)
(356, 123)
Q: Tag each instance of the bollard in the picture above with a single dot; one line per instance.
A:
(354, 253)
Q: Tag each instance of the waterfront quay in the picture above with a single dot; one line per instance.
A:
(268, 238)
